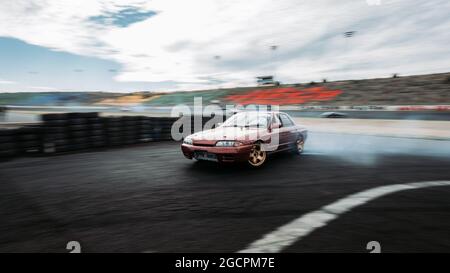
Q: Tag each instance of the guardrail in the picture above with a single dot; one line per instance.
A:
(71, 132)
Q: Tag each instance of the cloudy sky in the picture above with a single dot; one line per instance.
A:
(164, 45)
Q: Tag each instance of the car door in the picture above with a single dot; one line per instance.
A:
(284, 134)
(274, 133)
(289, 131)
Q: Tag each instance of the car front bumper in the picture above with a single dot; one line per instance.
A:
(223, 154)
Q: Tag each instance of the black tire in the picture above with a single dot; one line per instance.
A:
(96, 126)
(79, 134)
(31, 146)
(54, 130)
(96, 138)
(7, 146)
(48, 137)
(30, 143)
(128, 129)
(91, 115)
(9, 132)
(94, 120)
(6, 139)
(97, 132)
(115, 141)
(52, 117)
(299, 146)
(113, 129)
(79, 140)
(83, 115)
(145, 139)
(55, 142)
(55, 123)
(51, 148)
(4, 154)
(29, 137)
(113, 134)
(78, 127)
(78, 121)
(98, 144)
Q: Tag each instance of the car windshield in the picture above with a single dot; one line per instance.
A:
(248, 119)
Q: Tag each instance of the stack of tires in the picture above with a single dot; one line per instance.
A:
(8, 143)
(55, 138)
(30, 140)
(66, 132)
(113, 131)
(78, 131)
(97, 132)
(71, 132)
(145, 125)
(130, 130)
(162, 127)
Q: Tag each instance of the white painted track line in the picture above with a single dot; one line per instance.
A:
(294, 231)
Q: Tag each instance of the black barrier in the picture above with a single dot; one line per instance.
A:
(30, 139)
(55, 133)
(71, 132)
(96, 132)
(113, 131)
(8, 143)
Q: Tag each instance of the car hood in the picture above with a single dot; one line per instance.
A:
(242, 134)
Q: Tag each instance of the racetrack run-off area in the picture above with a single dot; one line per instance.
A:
(149, 198)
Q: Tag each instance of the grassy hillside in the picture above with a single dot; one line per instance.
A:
(54, 98)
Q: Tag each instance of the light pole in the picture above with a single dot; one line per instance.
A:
(273, 48)
(348, 35)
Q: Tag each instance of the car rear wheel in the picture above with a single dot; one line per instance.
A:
(299, 146)
(257, 156)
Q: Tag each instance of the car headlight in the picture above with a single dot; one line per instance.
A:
(228, 143)
(188, 141)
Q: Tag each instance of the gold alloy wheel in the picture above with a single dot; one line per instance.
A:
(300, 146)
(257, 156)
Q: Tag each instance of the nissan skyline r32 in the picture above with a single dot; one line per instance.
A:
(246, 137)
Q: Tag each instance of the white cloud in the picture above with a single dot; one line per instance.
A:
(43, 88)
(180, 42)
(6, 82)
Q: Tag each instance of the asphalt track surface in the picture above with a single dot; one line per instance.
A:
(149, 198)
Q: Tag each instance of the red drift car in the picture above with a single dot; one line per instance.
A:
(246, 137)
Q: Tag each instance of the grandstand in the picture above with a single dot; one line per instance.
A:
(409, 90)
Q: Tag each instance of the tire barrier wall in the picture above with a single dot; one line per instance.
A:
(72, 132)
(8, 143)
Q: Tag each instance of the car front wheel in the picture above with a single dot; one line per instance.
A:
(257, 156)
